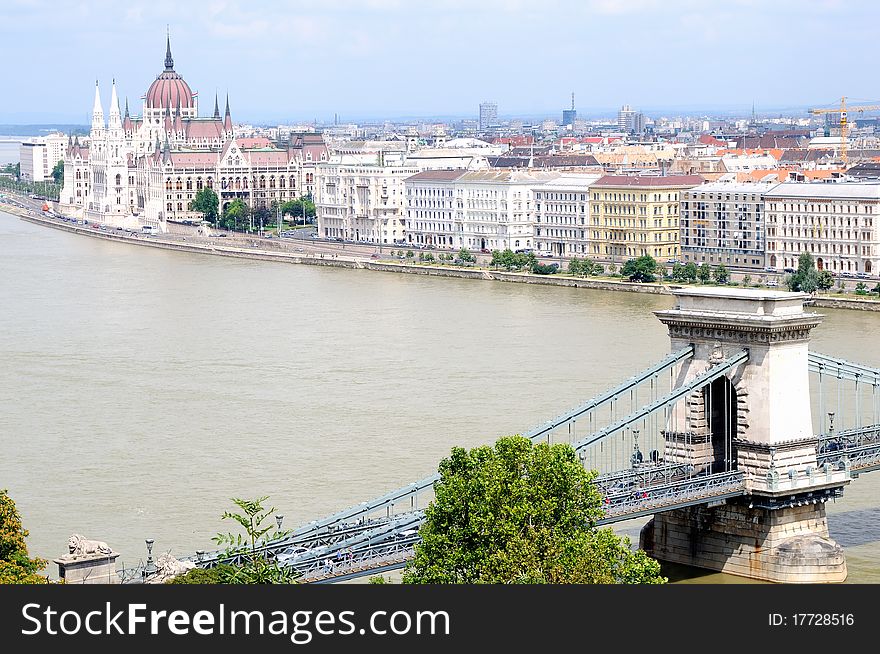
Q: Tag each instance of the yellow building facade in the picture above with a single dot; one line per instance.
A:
(631, 216)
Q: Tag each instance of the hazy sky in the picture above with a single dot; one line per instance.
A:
(307, 59)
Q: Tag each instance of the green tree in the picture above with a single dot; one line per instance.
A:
(16, 566)
(747, 280)
(410, 254)
(641, 269)
(690, 272)
(466, 256)
(704, 273)
(876, 289)
(235, 214)
(861, 288)
(721, 274)
(207, 204)
(58, 172)
(301, 210)
(806, 279)
(257, 569)
(824, 280)
(612, 269)
(521, 513)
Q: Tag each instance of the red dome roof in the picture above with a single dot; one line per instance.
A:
(169, 89)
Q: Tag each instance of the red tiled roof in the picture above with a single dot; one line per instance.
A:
(193, 159)
(201, 128)
(264, 157)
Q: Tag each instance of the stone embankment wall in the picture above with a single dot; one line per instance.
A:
(270, 250)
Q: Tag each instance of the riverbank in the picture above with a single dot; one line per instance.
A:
(210, 246)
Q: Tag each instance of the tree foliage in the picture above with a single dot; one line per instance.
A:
(301, 210)
(235, 215)
(824, 280)
(521, 513)
(806, 279)
(206, 203)
(642, 269)
(466, 256)
(58, 172)
(510, 260)
(721, 274)
(704, 273)
(257, 569)
(16, 566)
(584, 267)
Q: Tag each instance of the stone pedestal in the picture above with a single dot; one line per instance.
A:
(789, 545)
(89, 569)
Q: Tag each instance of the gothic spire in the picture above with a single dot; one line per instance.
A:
(216, 106)
(169, 61)
(126, 107)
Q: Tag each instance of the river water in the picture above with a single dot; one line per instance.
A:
(142, 389)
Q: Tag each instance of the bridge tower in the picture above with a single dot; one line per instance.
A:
(756, 419)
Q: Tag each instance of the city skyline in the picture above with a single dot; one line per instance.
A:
(297, 63)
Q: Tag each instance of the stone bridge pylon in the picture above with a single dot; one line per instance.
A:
(755, 419)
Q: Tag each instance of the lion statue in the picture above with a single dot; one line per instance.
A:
(79, 545)
(167, 567)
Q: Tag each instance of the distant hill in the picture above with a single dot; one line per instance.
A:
(42, 130)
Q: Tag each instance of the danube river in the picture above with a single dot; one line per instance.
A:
(144, 388)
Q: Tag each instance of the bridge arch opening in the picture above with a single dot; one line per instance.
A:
(719, 399)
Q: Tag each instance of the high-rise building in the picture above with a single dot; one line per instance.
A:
(569, 115)
(488, 114)
(630, 121)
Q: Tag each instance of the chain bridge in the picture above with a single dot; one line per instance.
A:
(733, 443)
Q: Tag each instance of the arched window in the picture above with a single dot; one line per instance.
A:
(179, 184)
(262, 181)
(272, 181)
(180, 206)
(210, 183)
(118, 180)
(189, 184)
(170, 206)
(238, 183)
(281, 183)
(168, 186)
(78, 174)
(198, 183)
(244, 182)
(292, 182)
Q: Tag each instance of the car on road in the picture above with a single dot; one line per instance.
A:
(485, 251)
(406, 533)
(374, 256)
(291, 552)
(546, 254)
(788, 270)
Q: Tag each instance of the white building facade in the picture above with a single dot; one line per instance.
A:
(361, 202)
(835, 222)
(562, 215)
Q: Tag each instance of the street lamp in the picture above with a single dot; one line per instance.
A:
(150, 567)
(278, 520)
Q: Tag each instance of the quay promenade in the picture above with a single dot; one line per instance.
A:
(364, 257)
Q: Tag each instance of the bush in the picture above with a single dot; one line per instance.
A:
(541, 269)
(861, 289)
(219, 574)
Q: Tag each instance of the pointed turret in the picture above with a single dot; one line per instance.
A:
(178, 123)
(127, 124)
(169, 60)
(97, 113)
(166, 151)
(115, 120)
(216, 108)
(227, 120)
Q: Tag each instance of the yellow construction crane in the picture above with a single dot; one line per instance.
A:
(844, 124)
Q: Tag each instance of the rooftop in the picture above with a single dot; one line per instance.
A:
(843, 190)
